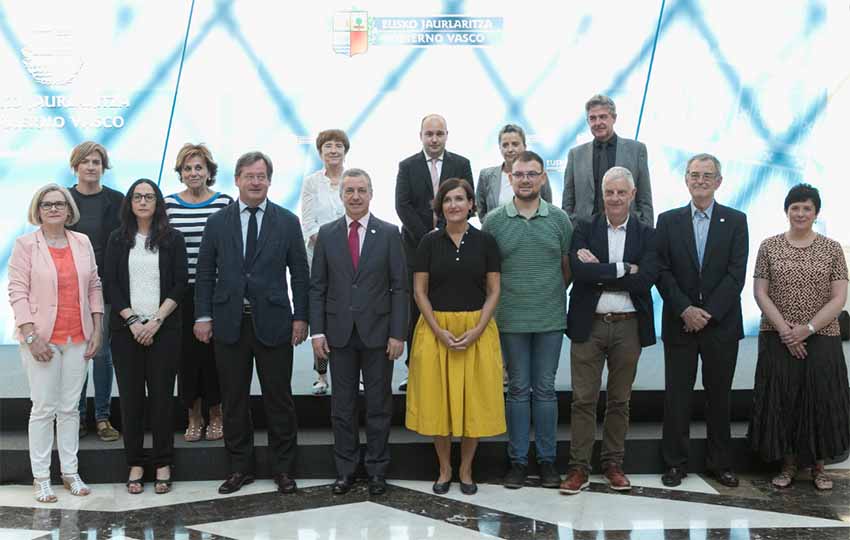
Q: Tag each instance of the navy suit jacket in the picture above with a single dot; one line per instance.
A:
(223, 280)
(590, 280)
(373, 298)
(716, 286)
(414, 193)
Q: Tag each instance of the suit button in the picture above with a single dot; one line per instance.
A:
(354, 286)
(248, 275)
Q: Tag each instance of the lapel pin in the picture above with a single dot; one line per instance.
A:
(373, 231)
(722, 220)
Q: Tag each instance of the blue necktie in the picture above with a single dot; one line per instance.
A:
(701, 230)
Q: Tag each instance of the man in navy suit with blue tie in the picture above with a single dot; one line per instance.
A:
(702, 252)
(241, 299)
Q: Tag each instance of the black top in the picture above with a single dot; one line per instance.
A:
(457, 279)
(600, 168)
(98, 218)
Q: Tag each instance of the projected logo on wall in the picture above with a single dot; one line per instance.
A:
(354, 31)
(55, 62)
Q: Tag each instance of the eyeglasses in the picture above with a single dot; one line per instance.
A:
(47, 206)
(530, 175)
(257, 177)
(148, 197)
(705, 176)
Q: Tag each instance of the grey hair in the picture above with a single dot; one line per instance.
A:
(601, 100)
(355, 173)
(246, 160)
(615, 173)
(704, 157)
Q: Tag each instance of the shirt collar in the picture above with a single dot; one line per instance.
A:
(610, 142)
(428, 158)
(542, 210)
(621, 226)
(364, 221)
(261, 206)
(708, 210)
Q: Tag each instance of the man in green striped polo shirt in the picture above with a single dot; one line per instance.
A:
(534, 240)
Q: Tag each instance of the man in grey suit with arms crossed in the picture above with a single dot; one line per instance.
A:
(588, 163)
(358, 309)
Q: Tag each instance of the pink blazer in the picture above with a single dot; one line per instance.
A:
(33, 283)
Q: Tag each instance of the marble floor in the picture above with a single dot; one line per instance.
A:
(698, 509)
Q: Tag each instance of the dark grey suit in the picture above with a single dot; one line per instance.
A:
(358, 311)
(490, 185)
(223, 281)
(579, 198)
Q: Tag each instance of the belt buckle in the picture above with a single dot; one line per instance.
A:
(608, 318)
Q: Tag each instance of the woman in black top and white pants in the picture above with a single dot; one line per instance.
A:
(146, 276)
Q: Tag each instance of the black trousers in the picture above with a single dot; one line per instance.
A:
(198, 376)
(377, 370)
(414, 312)
(719, 359)
(154, 367)
(235, 370)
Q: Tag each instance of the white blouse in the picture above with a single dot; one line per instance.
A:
(143, 267)
(320, 204)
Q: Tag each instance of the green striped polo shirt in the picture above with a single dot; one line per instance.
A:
(533, 297)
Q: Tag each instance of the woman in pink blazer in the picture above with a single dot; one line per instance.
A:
(55, 294)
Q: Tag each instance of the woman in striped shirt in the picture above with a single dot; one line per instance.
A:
(188, 212)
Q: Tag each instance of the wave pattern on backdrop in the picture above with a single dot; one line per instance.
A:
(261, 76)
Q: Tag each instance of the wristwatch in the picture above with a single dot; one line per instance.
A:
(157, 319)
(29, 338)
(811, 328)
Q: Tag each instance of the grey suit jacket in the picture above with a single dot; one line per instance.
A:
(578, 200)
(489, 186)
(374, 298)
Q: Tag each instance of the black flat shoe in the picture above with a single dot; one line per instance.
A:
(377, 485)
(469, 489)
(342, 485)
(285, 484)
(441, 488)
(673, 476)
(235, 482)
(726, 478)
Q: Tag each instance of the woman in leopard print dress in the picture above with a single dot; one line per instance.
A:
(801, 397)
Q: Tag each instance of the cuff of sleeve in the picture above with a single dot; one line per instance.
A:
(621, 270)
(203, 319)
(315, 336)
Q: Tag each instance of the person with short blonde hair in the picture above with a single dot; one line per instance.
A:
(55, 293)
(188, 211)
(98, 208)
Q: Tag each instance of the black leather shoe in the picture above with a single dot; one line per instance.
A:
(377, 485)
(235, 482)
(342, 485)
(285, 484)
(673, 476)
(726, 478)
(441, 488)
(469, 489)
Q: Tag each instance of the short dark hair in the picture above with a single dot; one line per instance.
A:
(803, 193)
(512, 128)
(528, 155)
(448, 185)
(250, 158)
(332, 135)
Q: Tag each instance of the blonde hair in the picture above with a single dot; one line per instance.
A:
(34, 216)
(79, 153)
(190, 150)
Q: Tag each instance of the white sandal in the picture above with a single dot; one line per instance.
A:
(75, 485)
(43, 491)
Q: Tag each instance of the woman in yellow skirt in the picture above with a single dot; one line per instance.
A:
(455, 382)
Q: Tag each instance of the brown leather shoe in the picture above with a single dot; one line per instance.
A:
(575, 481)
(616, 478)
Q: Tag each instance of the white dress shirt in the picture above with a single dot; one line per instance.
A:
(439, 165)
(320, 203)
(506, 191)
(245, 217)
(616, 301)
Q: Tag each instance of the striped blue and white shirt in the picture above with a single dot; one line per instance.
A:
(190, 219)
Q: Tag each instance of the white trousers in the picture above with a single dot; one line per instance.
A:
(55, 388)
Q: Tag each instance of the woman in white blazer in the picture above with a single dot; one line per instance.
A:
(320, 204)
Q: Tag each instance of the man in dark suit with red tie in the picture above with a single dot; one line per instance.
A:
(702, 252)
(358, 310)
(419, 177)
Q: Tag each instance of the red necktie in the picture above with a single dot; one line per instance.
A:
(354, 243)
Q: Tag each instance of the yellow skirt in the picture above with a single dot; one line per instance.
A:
(451, 392)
